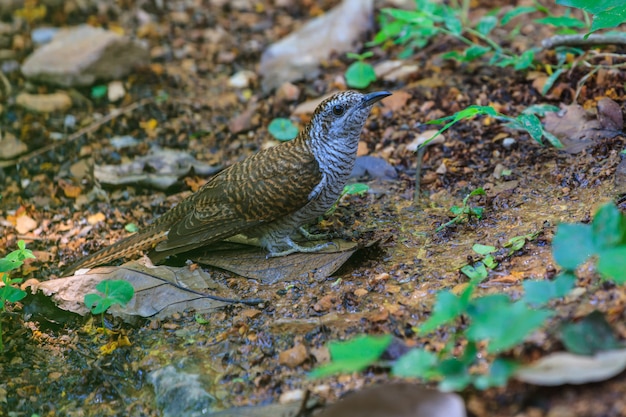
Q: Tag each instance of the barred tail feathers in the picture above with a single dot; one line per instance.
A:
(128, 247)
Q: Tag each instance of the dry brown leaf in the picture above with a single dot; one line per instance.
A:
(578, 129)
(396, 101)
(25, 224)
(252, 262)
(159, 290)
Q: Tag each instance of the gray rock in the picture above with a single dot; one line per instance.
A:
(376, 168)
(81, 55)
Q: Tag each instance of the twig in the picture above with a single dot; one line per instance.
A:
(581, 40)
(88, 129)
(418, 174)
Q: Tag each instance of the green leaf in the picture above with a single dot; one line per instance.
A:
(98, 91)
(474, 52)
(455, 375)
(610, 18)
(561, 21)
(477, 191)
(447, 308)
(94, 303)
(572, 245)
(502, 323)
(117, 290)
(499, 373)
(356, 188)
(416, 363)
(453, 24)
(388, 31)
(7, 265)
(11, 294)
(405, 15)
(360, 75)
(589, 336)
(360, 57)
(483, 249)
(554, 141)
(477, 272)
(282, 129)
(518, 11)
(354, 355)
(540, 109)
(609, 227)
(550, 81)
(612, 264)
(486, 24)
(532, 125)
(490, 262)
(591, 6)
(538, 293)
(131, 228)
(524, 61)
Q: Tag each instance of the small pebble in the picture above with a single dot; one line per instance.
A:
(39, 36)
(507, 143)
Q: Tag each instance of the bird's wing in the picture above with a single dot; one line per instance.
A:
(263, 188)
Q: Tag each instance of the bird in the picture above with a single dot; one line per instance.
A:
(269, 196)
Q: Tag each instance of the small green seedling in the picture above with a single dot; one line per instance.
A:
(527, 121)
(118, 292)
(465, 212)
(8, 292)
(516, 243)
(350, 189)
(283, 129)
(360, 74)
(354, 355)
(604, 239)
(486, 252)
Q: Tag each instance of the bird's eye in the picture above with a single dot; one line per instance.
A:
(338, 109)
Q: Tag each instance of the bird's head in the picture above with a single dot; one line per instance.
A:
(340, 118)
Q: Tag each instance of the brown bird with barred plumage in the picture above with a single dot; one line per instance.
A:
(268, 195)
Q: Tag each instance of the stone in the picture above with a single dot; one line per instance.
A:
(10, 146)
(81, 55)
(44, 103)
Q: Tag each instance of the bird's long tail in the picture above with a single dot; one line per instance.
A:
(145, 239)
(132, 245)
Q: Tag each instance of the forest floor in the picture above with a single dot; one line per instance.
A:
(53, 363)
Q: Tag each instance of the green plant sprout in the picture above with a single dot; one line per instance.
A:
(414, 29)
(8, 292)
(360, 74)
(604, 239)
(486, 252)
(349, 189)
(527, 121)
(465, 212)
(118, 292)
(282, 129)
(497, 323)
(517, 242)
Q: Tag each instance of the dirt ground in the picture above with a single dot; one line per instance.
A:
(53, 365)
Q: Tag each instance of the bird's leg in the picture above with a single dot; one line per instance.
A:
(294, 247)
(312, 236)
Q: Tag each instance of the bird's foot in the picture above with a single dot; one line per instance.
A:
(294, 247)
(313, 236)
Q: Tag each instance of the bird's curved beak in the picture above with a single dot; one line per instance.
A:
(372, 98)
